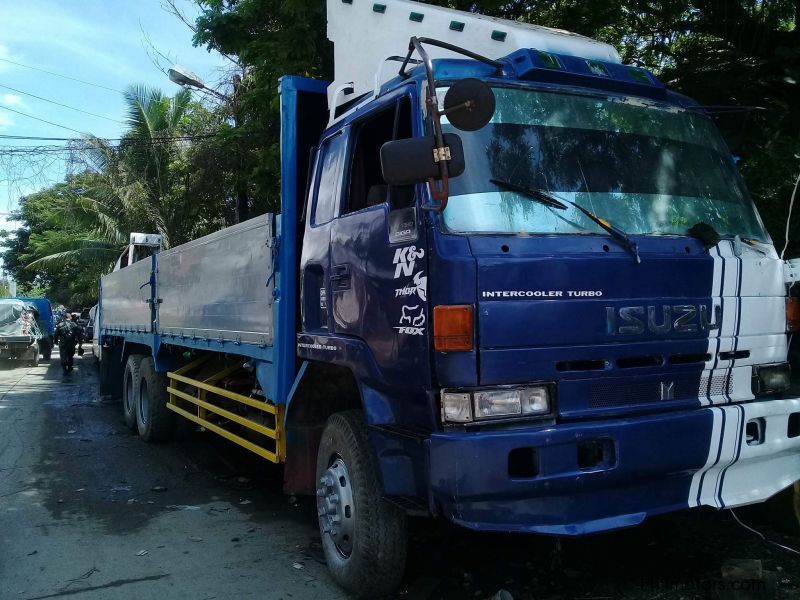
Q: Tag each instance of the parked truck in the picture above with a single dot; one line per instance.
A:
(20, 335)
(514, 283)
(43, 311)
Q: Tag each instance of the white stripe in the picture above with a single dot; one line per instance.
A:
(761, 470)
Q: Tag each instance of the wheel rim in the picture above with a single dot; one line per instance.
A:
(336, 508)
(144, 402)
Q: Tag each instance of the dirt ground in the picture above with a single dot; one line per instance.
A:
(87, 510)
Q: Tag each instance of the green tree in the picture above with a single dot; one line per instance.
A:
(733, 52)
(74, 231)
(270, 38)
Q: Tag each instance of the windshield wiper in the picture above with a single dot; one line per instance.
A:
(615, 232)
(555, 202)
(538, 195)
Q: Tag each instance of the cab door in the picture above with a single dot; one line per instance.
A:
(378, 272)
(323, 205)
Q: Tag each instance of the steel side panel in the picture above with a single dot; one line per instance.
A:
(125, 298)
(218, 287)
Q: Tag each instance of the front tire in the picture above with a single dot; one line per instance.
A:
(130, 389)
(154, 420)
(364, 536)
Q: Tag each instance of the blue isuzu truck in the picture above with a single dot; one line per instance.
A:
(514, 283)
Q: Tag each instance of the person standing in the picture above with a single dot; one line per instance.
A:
(67, 336)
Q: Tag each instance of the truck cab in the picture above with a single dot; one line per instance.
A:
(586, 328)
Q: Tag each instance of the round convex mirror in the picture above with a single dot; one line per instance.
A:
(469, 104)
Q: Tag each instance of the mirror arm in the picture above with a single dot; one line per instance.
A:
(438, 192)
(452, 47)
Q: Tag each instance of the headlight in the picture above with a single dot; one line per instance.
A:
(456, 407)
(771, 379)
(498, 403)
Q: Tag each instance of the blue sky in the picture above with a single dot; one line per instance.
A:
(100, 41)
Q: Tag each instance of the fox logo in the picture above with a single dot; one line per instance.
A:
(413, 315)
(412, 320)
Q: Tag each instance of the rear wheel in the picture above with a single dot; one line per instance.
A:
(34, 362)
(47, 349)
(153, 419)
(363, 535)
(130, 389)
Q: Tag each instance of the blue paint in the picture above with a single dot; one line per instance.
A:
(358, 311)
(655, 458)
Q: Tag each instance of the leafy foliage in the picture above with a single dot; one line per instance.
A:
(74, 231)
(737, 52)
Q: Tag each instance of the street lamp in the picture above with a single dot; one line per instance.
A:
(187, 79)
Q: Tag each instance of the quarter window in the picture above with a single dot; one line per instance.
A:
(329, 180)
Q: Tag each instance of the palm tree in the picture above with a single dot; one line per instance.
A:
(132, 186)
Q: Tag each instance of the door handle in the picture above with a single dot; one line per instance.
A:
(340, 278)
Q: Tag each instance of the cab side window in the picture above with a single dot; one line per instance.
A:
(367, 187)
(331, 166)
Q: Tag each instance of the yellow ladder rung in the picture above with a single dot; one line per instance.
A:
(195, 363)
(225, 413)
(263, 452)
(269, 408)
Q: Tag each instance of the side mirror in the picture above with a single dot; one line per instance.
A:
(413, 160)
(469, 104)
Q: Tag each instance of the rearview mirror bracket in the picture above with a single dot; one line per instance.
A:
(439, 189)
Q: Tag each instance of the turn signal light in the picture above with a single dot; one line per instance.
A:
(453, 328)
(792, 314)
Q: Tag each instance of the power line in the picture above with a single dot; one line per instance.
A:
(36, 138)
(82, 145)
(86, 112)
(19, 112)
(169, 138)
(97, 85)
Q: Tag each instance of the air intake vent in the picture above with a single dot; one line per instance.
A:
(685, 359)
(581, 365)
(735, 355)
(634, 362)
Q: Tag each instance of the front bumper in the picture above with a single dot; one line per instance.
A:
(647, 465)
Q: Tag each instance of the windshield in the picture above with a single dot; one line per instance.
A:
(646, 169)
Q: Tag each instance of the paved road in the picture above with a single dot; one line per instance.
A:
(87, 510)
(79, 516)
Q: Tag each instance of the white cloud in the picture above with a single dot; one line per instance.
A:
(5, 122)
(11, 100)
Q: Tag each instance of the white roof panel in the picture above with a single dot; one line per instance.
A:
(365, 33)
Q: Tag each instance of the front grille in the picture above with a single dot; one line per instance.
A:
(720, 384)
(611, 393)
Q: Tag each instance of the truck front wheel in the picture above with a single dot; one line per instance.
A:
(130, 389)
(364, 536)
(153, 419)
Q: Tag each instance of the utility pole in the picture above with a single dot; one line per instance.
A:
(242, 201)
